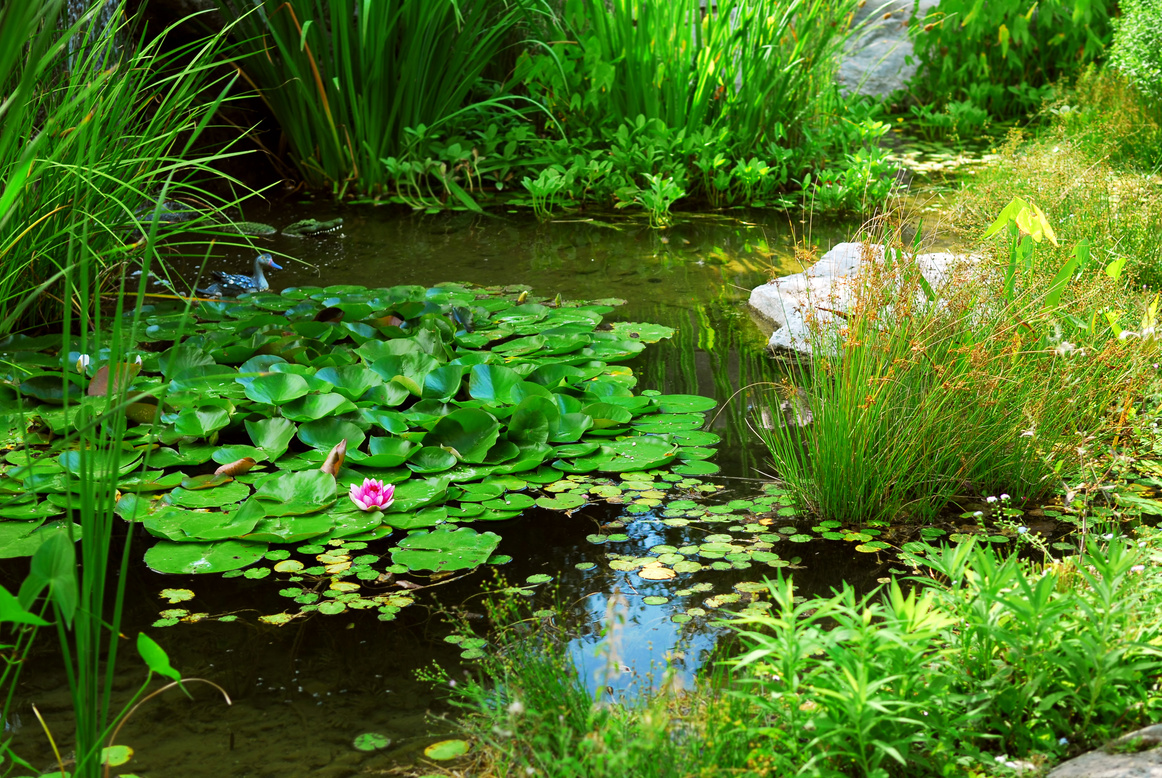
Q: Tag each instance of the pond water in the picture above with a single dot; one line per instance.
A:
(302, 692)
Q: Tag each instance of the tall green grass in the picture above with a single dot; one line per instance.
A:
(924, 397)
(980, 663)
(760, 70)
(91, 147)
(90, 153)
(353, 83)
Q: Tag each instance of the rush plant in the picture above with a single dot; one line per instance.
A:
(95, 149)
(927, 393)
(346, 79)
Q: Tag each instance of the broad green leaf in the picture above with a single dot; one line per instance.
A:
(277, 388)
(201, 422)
(351, 381)
(301, 492)
(469, 432)
(317, 406)
(492, 384)
(325, 434)
(271, 435)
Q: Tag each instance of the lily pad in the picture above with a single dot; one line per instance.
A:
(445, 549)
(185, 558)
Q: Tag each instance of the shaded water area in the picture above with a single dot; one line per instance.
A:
(302, 692)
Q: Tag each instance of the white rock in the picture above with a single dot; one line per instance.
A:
(826, 291)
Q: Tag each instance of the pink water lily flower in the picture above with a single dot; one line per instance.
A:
(372, 494)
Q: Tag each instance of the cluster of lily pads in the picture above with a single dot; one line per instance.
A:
(460, 398)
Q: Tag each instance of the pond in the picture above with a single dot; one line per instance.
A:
(302, 692)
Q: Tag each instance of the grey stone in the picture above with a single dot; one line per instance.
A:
(875, 59)
(1108, 763)
(1098, 764)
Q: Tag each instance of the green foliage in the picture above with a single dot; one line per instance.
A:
(1086, 171)
(933, 391)
(1137, 46)
(1004, 57)
(460, 398)
(1000, 657)
(529, 710)
(982, 660)
(757, 67)
(642, 113)
(359, 86)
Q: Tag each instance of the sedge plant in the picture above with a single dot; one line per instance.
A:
(105, 146)
(348, 79)
(925, 394)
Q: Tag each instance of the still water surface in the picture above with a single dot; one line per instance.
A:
(301, 693)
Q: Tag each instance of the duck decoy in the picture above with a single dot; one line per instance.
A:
(234, 284)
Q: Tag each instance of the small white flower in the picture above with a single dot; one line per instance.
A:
(1108, 536)
(990, 499)
(1064, 348)
(1004, 496)
(1137, 568)
(1022, 530)
(978, 514)
(1062, 741)
(83, 362)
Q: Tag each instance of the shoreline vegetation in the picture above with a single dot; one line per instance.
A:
(1032, 385)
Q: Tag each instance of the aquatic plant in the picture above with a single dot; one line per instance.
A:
(372, 494)
(926, 395)
(949, 673)
(96, 153)
(456, 399)
(758, 68)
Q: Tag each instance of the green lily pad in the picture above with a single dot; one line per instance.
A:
(446, 749)
(445, 549)
(325, 434)
(185, 558)
(209, 498)
(302, 492)
(276, 388)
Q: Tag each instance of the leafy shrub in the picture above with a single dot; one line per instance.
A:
(1137, 46)
(999, 656)
(1005, 55)
(982, 660)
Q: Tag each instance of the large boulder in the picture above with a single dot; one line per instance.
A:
(875, 62)
(825, 292)
(1135, 755)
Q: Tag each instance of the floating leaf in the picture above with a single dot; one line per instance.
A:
(445, 549)
(371, 741)
(276, 388)
(169, 557)
(446, 749)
